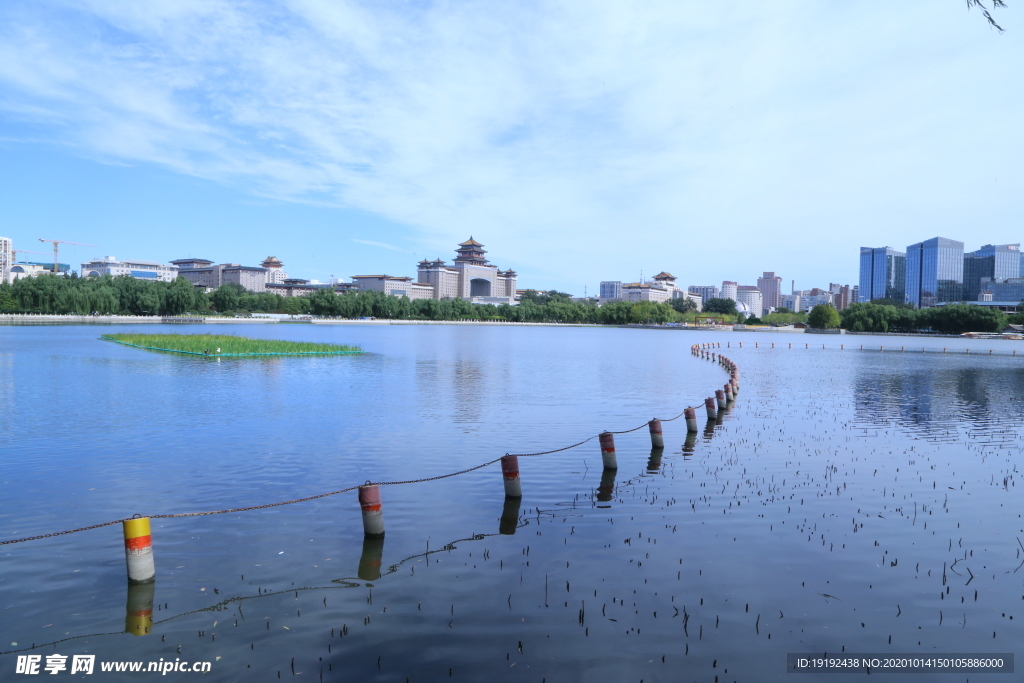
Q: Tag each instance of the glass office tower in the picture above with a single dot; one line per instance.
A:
(882, 274)
(995, 261)
(935, 272)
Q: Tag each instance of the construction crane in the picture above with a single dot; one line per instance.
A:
(15, 252)
(55, 247)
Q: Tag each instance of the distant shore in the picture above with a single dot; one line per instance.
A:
(47, 319)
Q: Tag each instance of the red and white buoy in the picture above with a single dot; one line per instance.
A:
(373, 516)
(709, 406)
(607, 440)
(510, 473)
(720, 398)
(657, 440)
(691, 419)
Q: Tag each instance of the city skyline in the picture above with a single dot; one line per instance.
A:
(357, 137)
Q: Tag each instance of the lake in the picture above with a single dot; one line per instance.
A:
(856, 501)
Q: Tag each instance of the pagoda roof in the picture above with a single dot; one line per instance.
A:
(470, 243)
(272, 259)
(665, 276)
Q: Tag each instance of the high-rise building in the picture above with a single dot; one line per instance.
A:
(705, 291)
(751, 297)
(1010, 289)
(6, 258)
(935, 272)
(994, 261)
(729, 290)
(883, 272)
(841, 295)
(792, 302)
(770, 285)
(611, 289)
(6, 255)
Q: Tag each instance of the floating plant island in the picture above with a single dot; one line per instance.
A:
(221, 345)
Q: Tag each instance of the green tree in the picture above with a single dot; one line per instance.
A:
(870, 317)
(684, 304)
(7, 300)
(824, 317)
(960, 318)
(892, 302)
(179, 298)
(723, 306)
(227, 297)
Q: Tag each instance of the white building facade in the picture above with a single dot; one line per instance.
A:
(141, 270)
(394, 286)
(751, 298)
(792, 302)
(729, 289)
(6, 254)
(705, 291)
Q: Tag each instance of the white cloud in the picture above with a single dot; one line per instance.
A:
(382, 245)
(592, 139)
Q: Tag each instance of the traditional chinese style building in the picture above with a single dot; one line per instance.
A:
(469, 276)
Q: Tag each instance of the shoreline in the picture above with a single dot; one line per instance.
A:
(29, 319)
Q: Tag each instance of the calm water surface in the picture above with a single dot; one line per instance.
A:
(845, 501)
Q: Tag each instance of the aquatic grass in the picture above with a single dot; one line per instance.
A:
(226, 345)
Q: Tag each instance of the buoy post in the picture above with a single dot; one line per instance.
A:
(709, 406)
(691, 420)
(657, 440)
(720, 398)
(607, 440)
(138, 550)
(510, 473)
(373, 515)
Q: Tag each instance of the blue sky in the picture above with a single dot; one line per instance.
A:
(579, 141)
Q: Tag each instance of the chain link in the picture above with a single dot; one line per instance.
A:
(61, 533)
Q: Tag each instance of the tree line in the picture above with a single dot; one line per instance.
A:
(125, 295)
(883, 316)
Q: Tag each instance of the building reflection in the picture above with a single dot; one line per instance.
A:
(933, 400)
